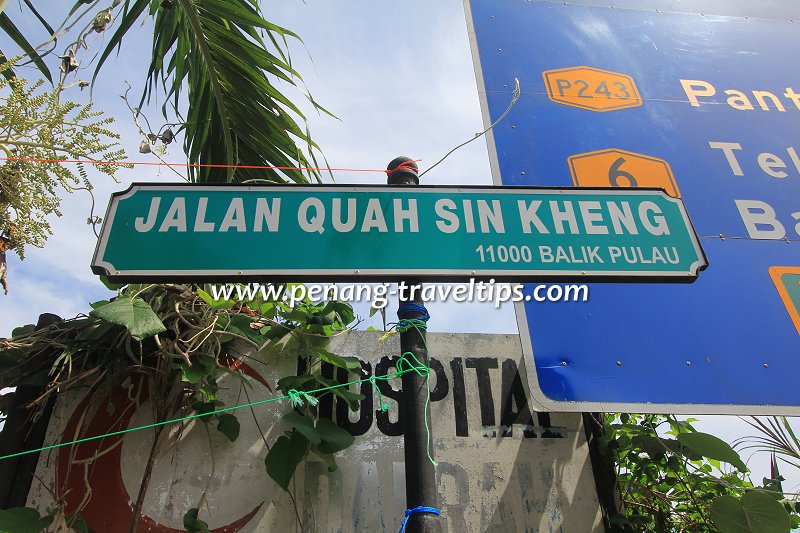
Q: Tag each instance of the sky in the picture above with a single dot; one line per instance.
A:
(397, 88)
(399, 78)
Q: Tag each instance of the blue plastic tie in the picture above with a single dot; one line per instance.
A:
(420, 509)
(409, 308)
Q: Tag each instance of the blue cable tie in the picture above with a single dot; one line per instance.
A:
(420, 509)
(407, 308)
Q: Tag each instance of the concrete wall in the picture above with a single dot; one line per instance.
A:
(501, 467)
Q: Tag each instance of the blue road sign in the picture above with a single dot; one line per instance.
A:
(705, 106)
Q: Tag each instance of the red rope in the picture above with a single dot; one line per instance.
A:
(196, 165)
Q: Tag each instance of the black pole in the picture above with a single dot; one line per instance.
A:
(420, 471)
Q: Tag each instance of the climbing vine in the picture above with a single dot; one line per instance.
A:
(674, 478)
(177, 342)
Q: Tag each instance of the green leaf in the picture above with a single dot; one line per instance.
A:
(650, 445)
(99, 303)
(756, 512)
(23, 330)
(12, 357)
(193, 524)
(93, 332)
(9, 29)
(191, 374)
(284, 456)
(204, 408)
(277, 332)
(304, 425)
(215, 304)
(773, 487)
(679, 448)
(110, 285)
(712, 447)
(334, 438)
(132, 313)
(344, 312)
(23, 520)
(208, 392)
(240, 324)
(36, 14)
(228, 426)
(348, 363)
(294, 382)
(268, 310)
(296, 315)
(353, 399)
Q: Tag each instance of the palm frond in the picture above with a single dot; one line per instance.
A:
(129, 16)
(776, 436)
(8, 27)
(214, 51)
(40, 17)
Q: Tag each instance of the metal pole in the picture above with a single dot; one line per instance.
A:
(420, 472)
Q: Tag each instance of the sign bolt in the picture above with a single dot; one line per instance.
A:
(766, 365)
(688, 363)
(619, 363)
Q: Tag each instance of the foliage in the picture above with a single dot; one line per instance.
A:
(210, 52)
(223, 54)
(176, 341)
(134, 314)
(674, 478)
(7, 26)
(219, 63)
(23, 520)
(39, 130)
(221, 60)
(775, 435)
(193, 524)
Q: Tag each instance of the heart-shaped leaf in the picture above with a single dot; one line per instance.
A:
(134, 314)
(756, 512)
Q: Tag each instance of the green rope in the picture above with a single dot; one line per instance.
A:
(417, 324)
(419, 368)
(297, 398)
(384, 406)
(407, 323)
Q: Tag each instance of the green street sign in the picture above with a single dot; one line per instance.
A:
(320, 232)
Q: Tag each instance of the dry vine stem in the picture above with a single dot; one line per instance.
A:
(178, 361)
